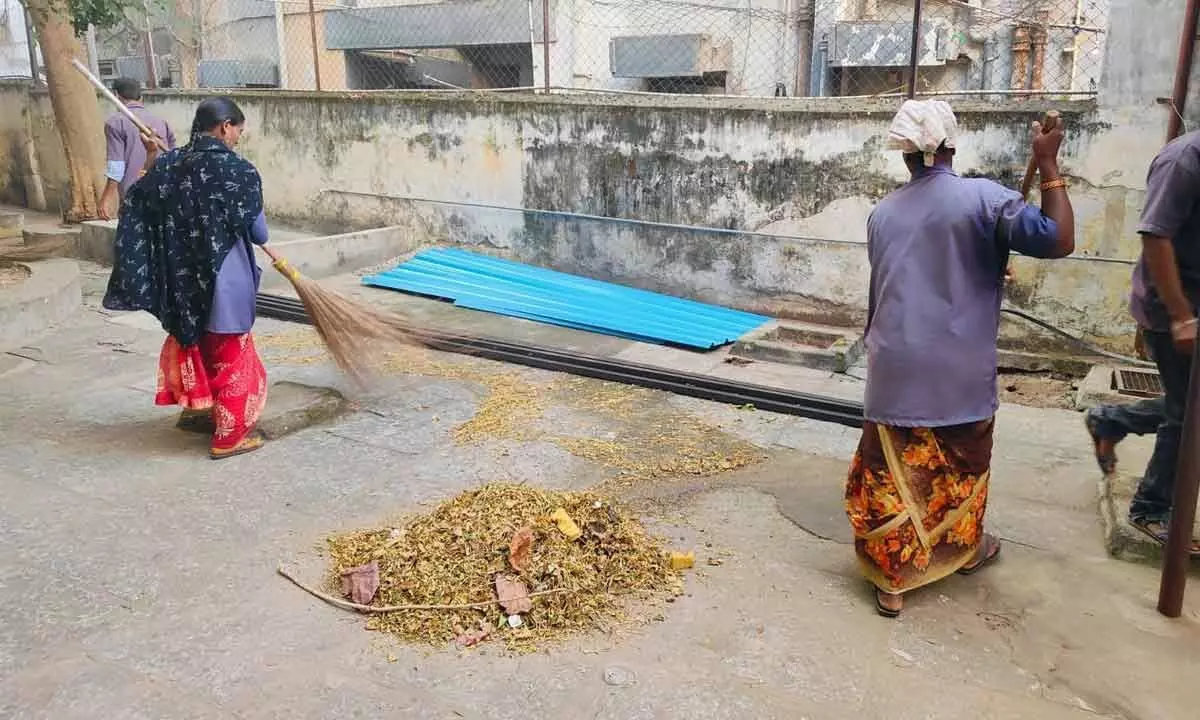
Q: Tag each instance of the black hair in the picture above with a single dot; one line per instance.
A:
(214, 112)
(127, 88)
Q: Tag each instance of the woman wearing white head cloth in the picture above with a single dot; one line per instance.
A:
(938, 249)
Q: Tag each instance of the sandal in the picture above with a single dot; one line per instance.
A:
(987, 553)
(1157, 531)
(249, 444)
(882, 609)
(197, 421)
(1106, 458)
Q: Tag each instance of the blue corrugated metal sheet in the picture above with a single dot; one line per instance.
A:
(503, 287)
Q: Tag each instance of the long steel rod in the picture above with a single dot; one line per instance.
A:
(294, 310)
(1177, 554)
(816, 407)
(914, 53)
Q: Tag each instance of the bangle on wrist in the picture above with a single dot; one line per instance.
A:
(1054, 184)
(1182, 324)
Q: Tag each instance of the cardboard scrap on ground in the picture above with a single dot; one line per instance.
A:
(361, 583)
(520, 548)
(513, 595)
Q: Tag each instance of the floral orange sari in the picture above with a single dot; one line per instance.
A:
(916, 499)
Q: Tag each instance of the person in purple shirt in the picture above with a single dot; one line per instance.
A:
(938, 249)
(1166, 293)
(125, 153)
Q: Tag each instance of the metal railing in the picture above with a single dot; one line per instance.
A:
(792, 48)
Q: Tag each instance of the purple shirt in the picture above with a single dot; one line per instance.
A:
(126, 156)
(1171, 211)
(237, 284)
(938, 247)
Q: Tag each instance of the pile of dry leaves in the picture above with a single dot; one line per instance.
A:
(535, 565)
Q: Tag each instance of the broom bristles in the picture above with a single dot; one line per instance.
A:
(356, 335)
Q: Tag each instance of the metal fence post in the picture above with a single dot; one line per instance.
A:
(914, 52)
(281, 43)
(546, 43)
(316, 56)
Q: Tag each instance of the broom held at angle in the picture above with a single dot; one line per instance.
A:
(141, 126)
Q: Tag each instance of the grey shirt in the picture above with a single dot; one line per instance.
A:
(125, 153)
(1171, 211)
(938, 247)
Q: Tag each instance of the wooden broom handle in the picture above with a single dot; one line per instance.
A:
(141, 126)
(1049, 122)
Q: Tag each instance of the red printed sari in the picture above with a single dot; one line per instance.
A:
(221, 373)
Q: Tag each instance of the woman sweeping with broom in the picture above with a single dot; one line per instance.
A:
(184, 253)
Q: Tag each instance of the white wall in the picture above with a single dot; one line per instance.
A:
(14, 45)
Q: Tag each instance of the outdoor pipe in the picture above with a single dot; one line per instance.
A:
(914, 53)
(1183, 69)
(1177, 555)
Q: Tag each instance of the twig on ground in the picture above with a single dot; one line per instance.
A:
(347, 605)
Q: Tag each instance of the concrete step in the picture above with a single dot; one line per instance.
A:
(11, 224)
(42, 234)
(50, 294)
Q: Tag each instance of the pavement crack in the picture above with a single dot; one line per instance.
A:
(368, 443)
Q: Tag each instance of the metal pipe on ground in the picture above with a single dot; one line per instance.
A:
(731, 392)
(1177, 555)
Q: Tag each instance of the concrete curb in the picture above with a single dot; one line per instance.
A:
(11, 224)
(292, 407)
(50, 295)
(1121, 540)
(95, 242)
(320, 257)
(834, 350)
(316, 257)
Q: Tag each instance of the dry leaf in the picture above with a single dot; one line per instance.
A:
(520, 548)
(513, 595)
(361, 583)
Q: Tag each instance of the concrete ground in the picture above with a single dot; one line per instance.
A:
(138, 576)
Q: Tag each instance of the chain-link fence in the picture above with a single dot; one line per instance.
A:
(793, 48)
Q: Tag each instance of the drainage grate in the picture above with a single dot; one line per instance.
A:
(1141, 383)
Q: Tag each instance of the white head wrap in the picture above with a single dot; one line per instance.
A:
(921, 126)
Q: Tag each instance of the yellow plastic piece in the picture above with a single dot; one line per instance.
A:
(683, 561)
(566, 524)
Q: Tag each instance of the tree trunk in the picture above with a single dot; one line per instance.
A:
(76, 111)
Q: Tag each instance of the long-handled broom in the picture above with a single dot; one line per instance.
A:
(355, 334)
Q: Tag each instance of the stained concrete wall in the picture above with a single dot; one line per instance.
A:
(471, 168)
(30, 149)
(805, 173)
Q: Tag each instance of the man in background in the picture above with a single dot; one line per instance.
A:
(1166, 293)
(126, 154)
